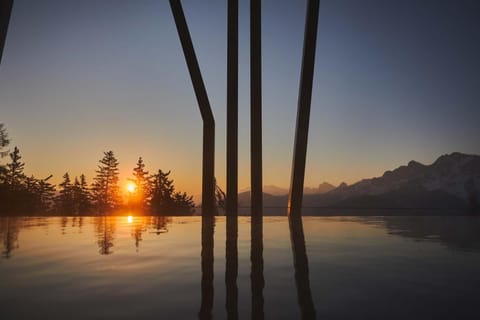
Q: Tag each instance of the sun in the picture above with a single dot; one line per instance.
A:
(131, 187)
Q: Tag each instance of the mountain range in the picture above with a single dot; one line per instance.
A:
(451, 182)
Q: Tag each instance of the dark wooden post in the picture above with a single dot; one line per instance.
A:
(208, 170)
(303, 111)
(232, 109)
(256, 107)
(5, 13)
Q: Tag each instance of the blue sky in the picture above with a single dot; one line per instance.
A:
(394, 81)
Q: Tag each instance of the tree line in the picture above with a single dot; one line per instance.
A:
(150, 193)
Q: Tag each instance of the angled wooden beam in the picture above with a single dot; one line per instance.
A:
(208, 165)
(303, 111)
(256, 107)
(5, 13)
(232, 109)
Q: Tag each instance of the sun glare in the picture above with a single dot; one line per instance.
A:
(131, 187)
(130, 219)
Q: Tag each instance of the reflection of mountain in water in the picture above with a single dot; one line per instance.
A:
(456, 232)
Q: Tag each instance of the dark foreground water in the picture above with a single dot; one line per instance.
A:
(185, 268)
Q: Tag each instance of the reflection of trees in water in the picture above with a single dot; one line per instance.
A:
(142, 224)
(9, 230)
(159, 224)
(63, 224)
(105, 228)
(77, 222)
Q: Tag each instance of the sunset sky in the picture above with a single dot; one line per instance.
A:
(394, 81)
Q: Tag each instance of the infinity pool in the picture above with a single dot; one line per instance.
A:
(129, 267)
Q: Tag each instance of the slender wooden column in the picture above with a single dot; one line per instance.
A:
(232, 109)
(303, 111)
(5, 13)
(256, 107)
(208, 170)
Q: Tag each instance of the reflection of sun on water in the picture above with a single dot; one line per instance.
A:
(131, 187)
(130, 219)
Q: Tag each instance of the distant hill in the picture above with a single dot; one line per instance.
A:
(451, 182)
(279, 191)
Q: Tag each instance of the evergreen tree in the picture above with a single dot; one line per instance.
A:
(65, 201)
(164, 199)
(105, 187)
(14, 176)
(45, 194)
(84, 196)
(142, 183)
(162, 190)
(4, 141)
(184, 204)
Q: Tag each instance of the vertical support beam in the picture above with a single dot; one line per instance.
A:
(208, 165)
(256, 107)
(5, 13)
(232, 109)
(303, 111)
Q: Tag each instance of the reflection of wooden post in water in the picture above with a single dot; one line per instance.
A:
(300, 261)
(231, 268)
(232, 108)
(256, 277)
(208, 225)
(256, 106)
(303, 111)
(5, 13)
(208, 184)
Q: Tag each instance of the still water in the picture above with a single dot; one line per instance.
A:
(127, 267)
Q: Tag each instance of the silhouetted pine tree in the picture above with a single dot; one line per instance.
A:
(64, 201)
(45, 194)
(105, 190)
(162, 190)
(184, 204)
(142, 182)
(84, 196)
(14, 176)
(164, 199)
(4, 141)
